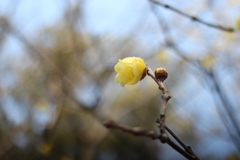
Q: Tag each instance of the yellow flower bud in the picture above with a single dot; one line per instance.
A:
(161, 74)
(130, 70)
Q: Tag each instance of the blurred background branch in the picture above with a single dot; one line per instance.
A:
(228, 29)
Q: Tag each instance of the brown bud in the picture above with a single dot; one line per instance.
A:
(144, 74)
(161, 74)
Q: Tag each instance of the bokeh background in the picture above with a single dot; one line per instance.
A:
(57, 78)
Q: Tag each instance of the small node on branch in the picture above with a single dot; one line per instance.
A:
(167, 6)
(161, 74)
(166, 96)
(163, 137)
(194, 18)
(152, 134)
(109, 124)
(138, 130)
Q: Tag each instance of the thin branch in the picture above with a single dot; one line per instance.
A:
(226, 104)
(137, 131)
(230, 131)
(163, 136)
(169, 42)
(187, 148)
(227, 29)
(228, 110)
(165, 98)
(161, 120)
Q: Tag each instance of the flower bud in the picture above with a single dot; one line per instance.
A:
(161, 74)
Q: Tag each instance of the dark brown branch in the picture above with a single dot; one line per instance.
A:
(163, 135)
(228, 29)
(187, 148)
(181, 151)
(169, 42)
(165, 98)
(137, 131)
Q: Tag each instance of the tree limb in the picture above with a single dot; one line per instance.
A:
(137, 131)
(194, 18)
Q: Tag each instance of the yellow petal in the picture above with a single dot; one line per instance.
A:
(138, 69)
(123, 78)
(130, 70)
(119, 67)
(129, 60)
(133, 81)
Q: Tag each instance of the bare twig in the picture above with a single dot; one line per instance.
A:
(170, 42)
(194, 18)
(165, 98)
(137, 131)
(161, 120)
(187, 148)
(163, 136)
